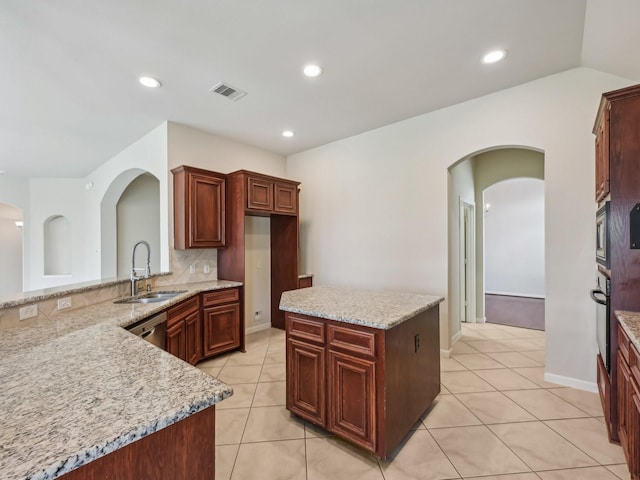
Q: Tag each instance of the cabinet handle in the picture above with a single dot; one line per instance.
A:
(595, 292)
(150, 332)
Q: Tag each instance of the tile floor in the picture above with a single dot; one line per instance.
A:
(496, 419)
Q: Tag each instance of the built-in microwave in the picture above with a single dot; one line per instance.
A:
(602, 236)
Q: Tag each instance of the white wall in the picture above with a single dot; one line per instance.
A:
(257, 297)
(514, 238)
(375, 204)
(10, 250)
(138, 213)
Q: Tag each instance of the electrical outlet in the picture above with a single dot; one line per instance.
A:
(192, 268)
(29, 311)
(206, 269)
(64, 303)
(258, 317)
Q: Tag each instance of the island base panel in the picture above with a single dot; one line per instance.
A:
(378, 382)
(412, 378)
(182, 451)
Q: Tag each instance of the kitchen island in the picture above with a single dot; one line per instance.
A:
(82, 398)
(362, 364)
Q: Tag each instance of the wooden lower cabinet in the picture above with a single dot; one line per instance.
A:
(221, 329)
(222, 319)
(193, 338)
(306, 362)
(366, 385)
(305, 282)
(628, 402)
(352, 399)
(183, 330)
(176, 343)
(182, 451)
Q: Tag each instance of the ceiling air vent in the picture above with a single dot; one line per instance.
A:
(227, 91)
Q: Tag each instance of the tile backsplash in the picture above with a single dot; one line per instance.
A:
(187, 266)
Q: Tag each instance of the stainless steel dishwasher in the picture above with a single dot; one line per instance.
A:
(152, 329)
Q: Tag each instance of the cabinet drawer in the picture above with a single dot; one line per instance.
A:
(219, 297)
(623, 344)
(355, 341)
(305, 282)
(305, 328)
(178, 312)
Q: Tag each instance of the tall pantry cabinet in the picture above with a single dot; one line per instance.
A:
(617, 131)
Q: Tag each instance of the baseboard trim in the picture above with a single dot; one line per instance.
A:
(481, 319)
(571, 382)
(447, 353)
(257, 328)
(511, 294)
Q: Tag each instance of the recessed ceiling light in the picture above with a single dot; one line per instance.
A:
(150, 82)
(288, 133)
(19, 223)
(312, 70)
(3, 173)
(494, 56)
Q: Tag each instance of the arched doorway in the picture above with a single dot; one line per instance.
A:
(145, 202)
(468, 179)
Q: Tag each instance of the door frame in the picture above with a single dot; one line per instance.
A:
(467, 260)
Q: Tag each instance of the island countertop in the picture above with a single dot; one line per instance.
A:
(371, 308)
(78, 387)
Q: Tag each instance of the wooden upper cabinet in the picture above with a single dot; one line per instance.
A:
(286, 201)
(198, 208)
(601, 131)
(259, 194)
(265, 195)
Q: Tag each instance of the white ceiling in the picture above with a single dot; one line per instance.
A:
(70, 99)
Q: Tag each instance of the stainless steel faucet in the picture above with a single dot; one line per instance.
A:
(147, 269)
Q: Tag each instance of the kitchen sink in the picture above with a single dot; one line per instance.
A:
(152, 297)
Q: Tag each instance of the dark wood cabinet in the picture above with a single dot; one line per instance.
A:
(193, 338)
(250, 193)
(259, 194)
(223, 329)
(286, 198)
(628, 402)
(176, 341)
(306, 392)
(198, 208)
(617, 149)
(305, 282)
(366, 385)
(183, 330)
(601, 131)
(352, 399)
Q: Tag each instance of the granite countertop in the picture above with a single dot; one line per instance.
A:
(630, 322)
(78, 387)
(305, 275)
(371, 308)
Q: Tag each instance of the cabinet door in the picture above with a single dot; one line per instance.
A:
(221, 329)
(286, 198)
(352, 399)
(193, 337)
(305, 282)
(602, 158)
(260, 194)
(625, 392)
(206, 212)
(306, 381)
(176, 341)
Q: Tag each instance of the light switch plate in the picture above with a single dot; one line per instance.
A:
(29, 311)
(192, 268)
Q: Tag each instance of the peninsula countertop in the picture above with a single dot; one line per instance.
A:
(371, 308)
(78, 387)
